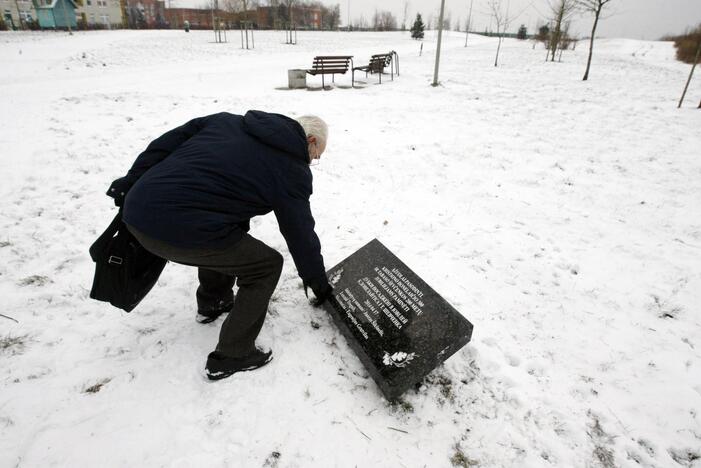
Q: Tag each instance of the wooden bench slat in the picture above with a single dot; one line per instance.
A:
(330, 61)
(327, 71)
(330, 65)
(326, 64)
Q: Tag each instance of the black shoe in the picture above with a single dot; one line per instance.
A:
(210, 315)
(220, 366)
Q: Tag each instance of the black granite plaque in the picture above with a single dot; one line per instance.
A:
(399, 327)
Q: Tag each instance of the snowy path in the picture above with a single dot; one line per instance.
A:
(562, 217)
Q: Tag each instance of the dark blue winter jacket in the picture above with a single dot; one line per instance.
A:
(199, 185)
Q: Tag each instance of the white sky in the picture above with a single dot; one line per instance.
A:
(639, 19)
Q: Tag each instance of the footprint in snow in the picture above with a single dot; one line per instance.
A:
(35, 280)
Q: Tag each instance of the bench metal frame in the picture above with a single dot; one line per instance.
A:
(378, 63)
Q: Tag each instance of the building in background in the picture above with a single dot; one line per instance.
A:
(277, 17)
(261, 17)
(103, 14)
(17, 14)
(198, 18)
(89, 14)
(152, 14)
(56, 14)
(146, 14)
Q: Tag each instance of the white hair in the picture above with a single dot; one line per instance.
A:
(314, 126)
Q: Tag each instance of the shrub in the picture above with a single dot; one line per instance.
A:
(543, 34)
(687, 44)
(32, 25)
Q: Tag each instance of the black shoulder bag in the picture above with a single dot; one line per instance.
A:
(124, 271)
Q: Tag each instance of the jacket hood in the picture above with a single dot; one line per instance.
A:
(279, 132)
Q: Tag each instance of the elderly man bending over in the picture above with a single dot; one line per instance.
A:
(189, 198)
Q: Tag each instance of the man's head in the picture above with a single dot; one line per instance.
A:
(317, 135)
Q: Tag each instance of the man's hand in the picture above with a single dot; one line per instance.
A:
(321, 288)
(119, 189)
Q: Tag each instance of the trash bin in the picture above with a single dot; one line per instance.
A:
(297, 79)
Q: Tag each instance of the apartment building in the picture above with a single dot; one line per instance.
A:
(103, 13)
(16, 12)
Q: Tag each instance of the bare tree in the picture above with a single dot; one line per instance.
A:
(230, 6)
(289, 4)
(594, 7)
(562, 11)
(360, 23)
(331, 16)
(239, 6)
(384, 21)
(565, 41)
(468, 24)
(447, 19)
(404, 18)
(501, 18)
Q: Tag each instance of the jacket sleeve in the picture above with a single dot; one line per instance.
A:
(155, 152)
(294, 216)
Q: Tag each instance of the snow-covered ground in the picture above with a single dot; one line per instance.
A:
(562, 217)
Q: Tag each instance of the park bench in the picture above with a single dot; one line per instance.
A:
(330, 65)
(378, 63)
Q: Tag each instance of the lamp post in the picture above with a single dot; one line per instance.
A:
(438, 46)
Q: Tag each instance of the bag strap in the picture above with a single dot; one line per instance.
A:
(102, 241)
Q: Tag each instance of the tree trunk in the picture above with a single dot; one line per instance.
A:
(551, 48)
(553, 51)
(469, 23)
(696, 60)
(496, 60)
(591, 43)
(555, 40)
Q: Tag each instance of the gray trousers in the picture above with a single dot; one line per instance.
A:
(254, 266)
